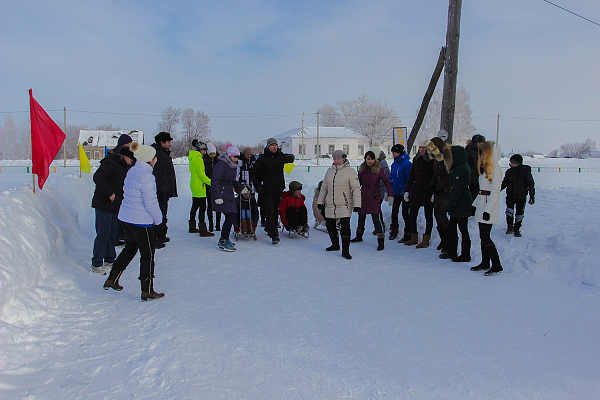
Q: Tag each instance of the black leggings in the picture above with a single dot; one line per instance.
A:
(484, 234)
(441, 217)
(463, 226)
(198, 202)
(414, 212)
(137, 238)
(344, 226)
(377, 222)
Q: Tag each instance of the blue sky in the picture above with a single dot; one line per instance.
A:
(526, 60)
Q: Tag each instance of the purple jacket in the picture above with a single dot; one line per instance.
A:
(370, 194)
(223, 182)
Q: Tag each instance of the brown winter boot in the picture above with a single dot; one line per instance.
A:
(112, 282)
(245, 226)
(148, 292)
(193, 228)
(425, 242)
(203, 231)
(414, 239)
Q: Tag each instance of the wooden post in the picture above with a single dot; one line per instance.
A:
(318, 145)
(426, 99)
(451, 69)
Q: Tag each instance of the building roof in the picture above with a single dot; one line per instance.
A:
(324, 132)
(107, 138)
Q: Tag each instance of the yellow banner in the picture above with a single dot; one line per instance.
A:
(84, 163)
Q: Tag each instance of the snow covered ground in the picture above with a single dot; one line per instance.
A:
(292, 321)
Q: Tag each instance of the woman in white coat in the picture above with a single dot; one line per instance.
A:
(339, 196)
(487, 206)
(139, 212)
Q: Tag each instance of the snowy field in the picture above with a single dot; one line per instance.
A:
(292, 321)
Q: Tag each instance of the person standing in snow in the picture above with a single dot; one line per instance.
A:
(440, 186)
(472, 149)
(210, 160)
(269, 182)
(319, 217)
(518, 181)
(292, 210)
(399, 173)
(370, 174)
(458, 205)
(339, 196)
(382, 187)
(139, 213)
(418, 194)
(224, 183)
(123, 141)
(108, 195)
(198, 184)
(166, 182)
(487, 206)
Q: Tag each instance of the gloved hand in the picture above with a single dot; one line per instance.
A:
(406, 196)
(356, 209)
(390, 200)
(324, 223)
(244, 190)
(218, 201)
(321, 208)
(473, 210)
(486, 216)
(531, 200)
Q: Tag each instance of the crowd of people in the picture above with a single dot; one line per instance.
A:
(450, 183)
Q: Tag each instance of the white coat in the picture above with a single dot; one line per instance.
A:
(340, 191)
(140, 204)
(489, 203)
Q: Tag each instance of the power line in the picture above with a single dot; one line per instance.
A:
(580, 16)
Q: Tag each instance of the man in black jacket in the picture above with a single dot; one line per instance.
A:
(269, 182)
(109, 179)
(166, 182)
(518, 181)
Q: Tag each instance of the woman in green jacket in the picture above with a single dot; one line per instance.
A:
(198, 183)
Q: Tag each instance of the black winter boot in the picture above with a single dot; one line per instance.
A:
(406, 237)
(148, 292)
(335, 240)
(211, 226)
(193, 228)
(509, 225)
(380, 241)
(394, 231)
(465, 255)
(493, 253)
(359, 235)
(442, 238)
(517, 229)
(346, 247)
(485, 260)
(112, 282)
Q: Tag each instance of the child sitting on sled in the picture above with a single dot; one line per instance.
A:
(292, 210)
(247, 213)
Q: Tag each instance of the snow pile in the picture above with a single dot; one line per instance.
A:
(35, 228)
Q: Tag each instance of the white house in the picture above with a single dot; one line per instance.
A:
(95, 142)
(302, 143)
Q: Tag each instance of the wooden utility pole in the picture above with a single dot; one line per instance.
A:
(451, 69)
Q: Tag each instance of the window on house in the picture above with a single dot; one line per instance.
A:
(317, 149)
(346, 149)
(361, 149)
(331, 148)
(302, 149)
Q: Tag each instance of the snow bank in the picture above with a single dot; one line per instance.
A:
(35, 228)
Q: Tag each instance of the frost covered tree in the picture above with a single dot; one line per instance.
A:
(463, 126)
(194, 126)
(370, 118)
(169, 120)
(329, 116)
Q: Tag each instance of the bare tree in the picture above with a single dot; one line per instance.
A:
(578, 150)
(169, 120)
(106, 127)
(370, 118)
(553, 153)
(463, 126)
(329, 116)
(194, 126)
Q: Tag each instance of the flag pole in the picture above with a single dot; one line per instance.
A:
(65, 142)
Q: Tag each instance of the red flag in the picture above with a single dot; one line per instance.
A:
(46, 139)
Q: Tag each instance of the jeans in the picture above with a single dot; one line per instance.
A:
(106, 235)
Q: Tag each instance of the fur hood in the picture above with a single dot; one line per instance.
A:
(375, 168)
(491, 156)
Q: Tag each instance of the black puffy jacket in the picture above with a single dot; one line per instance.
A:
(109, 179)
(518, 181)
(164, 172)
(267, 173)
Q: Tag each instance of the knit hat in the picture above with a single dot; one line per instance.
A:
(126, 151)
(211, 148)
(233, 151)
(142, 152)
(124, 139)
(247, 150)
(228, 145)
(163, 137)
(375, 149)
(516, 159)
(398, 148)
(199, 145)
(271, 141)
(338, 154)
(295, 185)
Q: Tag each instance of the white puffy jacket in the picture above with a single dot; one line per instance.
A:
(340, 191)
(489, 203)
(140, 205)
